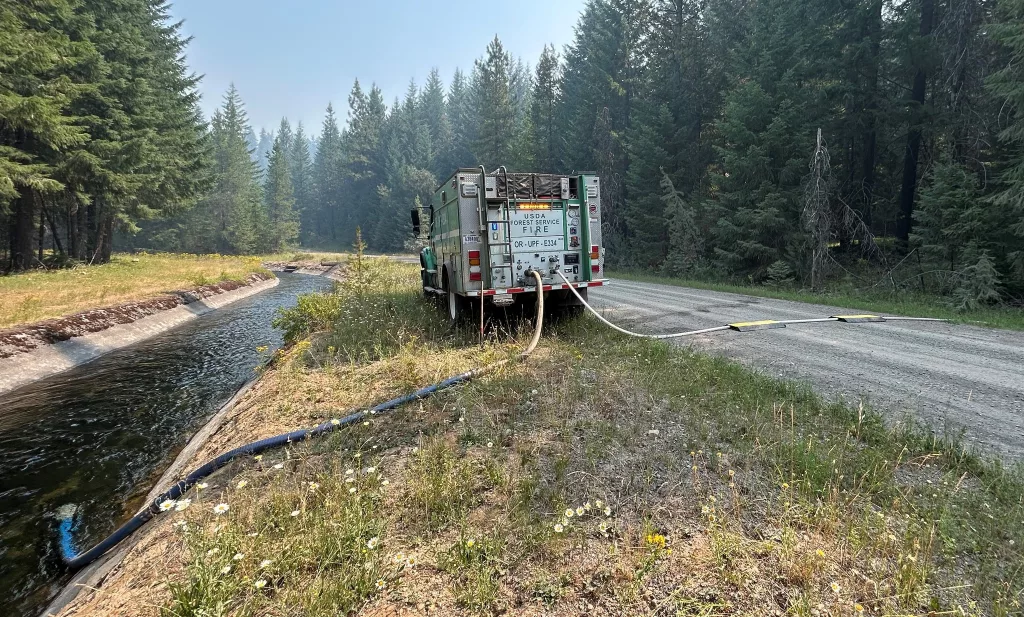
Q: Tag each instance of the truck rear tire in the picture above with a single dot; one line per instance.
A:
(456, 304)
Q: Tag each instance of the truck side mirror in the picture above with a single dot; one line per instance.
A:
(416, 222)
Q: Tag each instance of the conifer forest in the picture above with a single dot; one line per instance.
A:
(799, 142)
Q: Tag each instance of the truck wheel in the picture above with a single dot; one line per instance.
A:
(456, 303)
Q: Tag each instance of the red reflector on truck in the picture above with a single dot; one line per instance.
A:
(474, 276)
(595, 268)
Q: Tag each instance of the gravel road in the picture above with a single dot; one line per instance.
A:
(954, 377)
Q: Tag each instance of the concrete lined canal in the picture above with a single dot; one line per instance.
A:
(99, 436)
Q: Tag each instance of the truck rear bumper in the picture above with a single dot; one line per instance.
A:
(520, 290)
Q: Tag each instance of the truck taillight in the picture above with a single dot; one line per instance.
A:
(595, 268)
(475, 276)
(595, 252)
(474, 260)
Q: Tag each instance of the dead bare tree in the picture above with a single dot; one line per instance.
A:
(826, 216)
(817, 214)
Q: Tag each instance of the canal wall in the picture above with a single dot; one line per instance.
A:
(41, 350)
(91, 578)
(333, 271)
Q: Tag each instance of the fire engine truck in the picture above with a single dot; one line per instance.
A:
(486, 232)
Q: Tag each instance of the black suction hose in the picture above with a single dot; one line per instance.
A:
(76, 562)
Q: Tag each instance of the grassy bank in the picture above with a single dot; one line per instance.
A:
(305, 256)
(38, 294)
(904, 303)
(606, 476)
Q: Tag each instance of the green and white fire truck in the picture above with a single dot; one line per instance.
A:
(487, 231)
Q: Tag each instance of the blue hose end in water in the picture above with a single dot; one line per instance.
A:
(65, 516)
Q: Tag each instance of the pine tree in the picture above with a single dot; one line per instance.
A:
(36, 54)
(327, 183)
(435, 117)
(365, 159)
(544, 138)
(643, 214)
(252, 143)
(413, 129)
(685, 234)
(263, 148)
(99, 125)
(911, 161)
(683, 75)
(603, 70)
(302, 184)
(1007, 85)
(959, 231)
(235, 204)
(520, 86)
(287, 139)
(460, 112)
(283, 228)
(147, 148)
(767, 126)
(493, 104)
(753, 203)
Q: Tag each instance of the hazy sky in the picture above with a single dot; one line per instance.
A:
(292, 58)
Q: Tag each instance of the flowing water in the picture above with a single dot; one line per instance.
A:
(99, 435)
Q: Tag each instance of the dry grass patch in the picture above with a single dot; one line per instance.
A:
(39, 294)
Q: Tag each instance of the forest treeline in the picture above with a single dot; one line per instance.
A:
(768, 140)
(99, 125)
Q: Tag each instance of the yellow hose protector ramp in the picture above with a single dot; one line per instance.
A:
(858, 318)
(749, 326)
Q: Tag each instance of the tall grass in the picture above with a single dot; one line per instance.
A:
(370, 315)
